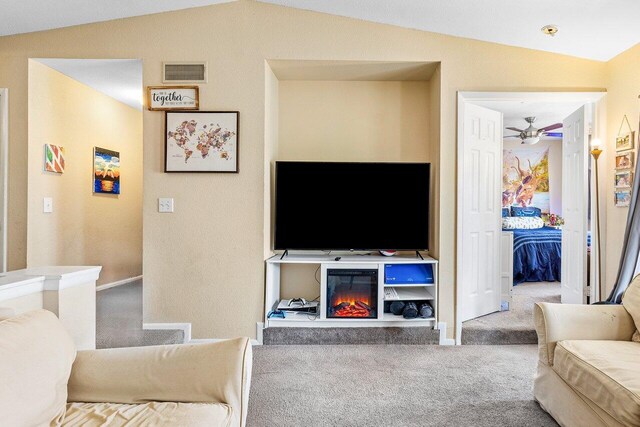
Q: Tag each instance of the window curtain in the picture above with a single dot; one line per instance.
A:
(628, 268)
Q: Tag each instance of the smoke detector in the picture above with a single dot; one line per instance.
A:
(549, 30)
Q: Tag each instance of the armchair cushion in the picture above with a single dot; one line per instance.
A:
(631, 302)
(605, 372)
(558, 322)
(198, 373)
(36, 354)
(147, 414)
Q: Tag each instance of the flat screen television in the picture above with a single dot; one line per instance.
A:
(352, 206)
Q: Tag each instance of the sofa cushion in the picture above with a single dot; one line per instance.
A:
(606, 372)
(147, 414)
(36, 355)
(631, 302)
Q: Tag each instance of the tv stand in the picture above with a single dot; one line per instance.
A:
(284, 254)
(419, 255)
(387, 289)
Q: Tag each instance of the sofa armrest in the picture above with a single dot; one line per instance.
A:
(559, 322)
(212, 373)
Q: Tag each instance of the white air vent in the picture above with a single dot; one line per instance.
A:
(184, 72)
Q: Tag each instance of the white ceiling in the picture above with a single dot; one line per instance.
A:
(595, 29)
(120, 79)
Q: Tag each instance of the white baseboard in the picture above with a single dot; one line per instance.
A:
(259, 332)
(117, 283)
(184, 327)
(442, 327)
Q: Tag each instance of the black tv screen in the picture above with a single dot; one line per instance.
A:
(345, 206)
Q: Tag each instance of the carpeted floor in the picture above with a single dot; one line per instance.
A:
(516, 325)
(394, 385)
(363, 385)
(119, 320)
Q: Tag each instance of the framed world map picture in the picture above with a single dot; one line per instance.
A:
(201, 141)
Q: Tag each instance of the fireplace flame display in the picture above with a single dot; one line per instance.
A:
(352, 309)
(352, 293)
(352, 304)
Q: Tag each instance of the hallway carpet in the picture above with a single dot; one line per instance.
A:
(394, 385)
(516, 325)
(119, 320)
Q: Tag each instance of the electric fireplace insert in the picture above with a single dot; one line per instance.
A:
(352, 294)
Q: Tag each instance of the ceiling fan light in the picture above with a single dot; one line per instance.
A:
(531, 140)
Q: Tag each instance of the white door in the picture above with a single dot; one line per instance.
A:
(574, 207)
(479, 203)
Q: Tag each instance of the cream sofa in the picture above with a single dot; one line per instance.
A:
(589, 362)
(44, 381)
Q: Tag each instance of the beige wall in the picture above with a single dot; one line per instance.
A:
(204, 263)
(84, 228)
(381, 121)
(354, 121)
(623, 87)
(555, 168)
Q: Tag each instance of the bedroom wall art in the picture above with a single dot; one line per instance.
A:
(525, 178)
(106, 171)
(53, 158)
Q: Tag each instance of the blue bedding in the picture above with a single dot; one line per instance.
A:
(537, 255)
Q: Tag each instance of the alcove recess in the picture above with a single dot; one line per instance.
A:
(349, 111)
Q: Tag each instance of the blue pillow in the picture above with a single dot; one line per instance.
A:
(531, 211)
(505, 212)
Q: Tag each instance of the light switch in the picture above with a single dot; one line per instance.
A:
(165, 205)
(47, 205)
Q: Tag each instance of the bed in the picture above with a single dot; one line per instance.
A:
(537, 255)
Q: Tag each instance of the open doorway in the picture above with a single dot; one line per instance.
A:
(85, 165)
(524, 167)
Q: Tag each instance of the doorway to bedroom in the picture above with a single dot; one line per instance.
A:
(524, 203)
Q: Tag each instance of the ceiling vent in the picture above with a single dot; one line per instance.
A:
(184, 72)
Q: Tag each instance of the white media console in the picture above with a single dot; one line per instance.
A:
(385, 290)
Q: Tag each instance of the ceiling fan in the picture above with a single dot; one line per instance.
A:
(531, 135)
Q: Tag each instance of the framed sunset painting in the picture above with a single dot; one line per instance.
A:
(106, 171)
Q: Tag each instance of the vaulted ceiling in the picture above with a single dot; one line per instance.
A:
(594, 29)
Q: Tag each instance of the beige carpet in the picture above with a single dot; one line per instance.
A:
(516, 325)
(394, 385)
(119, 320)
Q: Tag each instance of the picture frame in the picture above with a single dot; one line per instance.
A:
(169, 98)
(202, 141)
(106, 171)
(54, 158)
(622, 198)
(624, 160)
(623, 179)
(625, 142)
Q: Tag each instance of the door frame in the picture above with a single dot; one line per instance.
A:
(4, 174)
(598, 130)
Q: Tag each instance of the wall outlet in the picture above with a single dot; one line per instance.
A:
(47, 205)
(165, 205)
